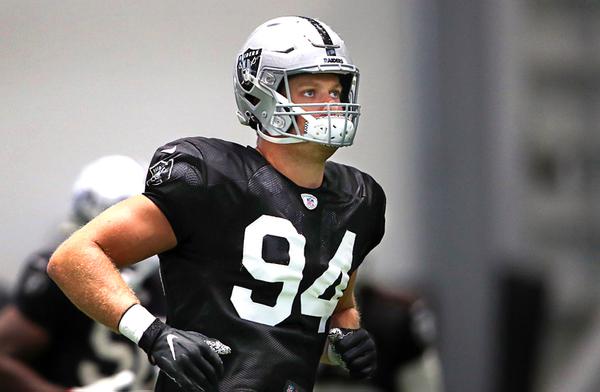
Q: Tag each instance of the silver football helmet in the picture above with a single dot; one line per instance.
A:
(278, 49)
(105, 182)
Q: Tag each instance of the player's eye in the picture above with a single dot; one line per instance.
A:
(335, 94)
(309, 93)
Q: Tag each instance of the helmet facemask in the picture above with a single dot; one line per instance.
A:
(262, 88)
(330, 123)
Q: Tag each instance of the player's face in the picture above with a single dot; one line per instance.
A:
(315, 88)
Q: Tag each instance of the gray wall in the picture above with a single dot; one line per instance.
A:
(469, 177)
(79, 80)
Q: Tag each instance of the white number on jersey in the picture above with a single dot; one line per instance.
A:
(290, 275)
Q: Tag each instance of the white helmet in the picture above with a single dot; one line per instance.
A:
(105, 182)
(287, 46)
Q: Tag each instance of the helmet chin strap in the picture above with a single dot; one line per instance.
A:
(279, 140)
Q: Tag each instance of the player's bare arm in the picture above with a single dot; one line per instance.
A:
(86, 265)
(86, 269)
(348, 345)
(346, 315)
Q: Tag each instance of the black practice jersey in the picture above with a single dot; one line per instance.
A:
(80, 351)
(260, 262)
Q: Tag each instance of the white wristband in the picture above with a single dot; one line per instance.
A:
(135, 322)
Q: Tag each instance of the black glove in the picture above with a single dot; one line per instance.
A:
(189, 358)
(354, 349)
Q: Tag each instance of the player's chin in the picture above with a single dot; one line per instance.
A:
(329, 148)
(324, 150)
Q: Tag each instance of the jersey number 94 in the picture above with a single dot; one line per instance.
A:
(290, 275)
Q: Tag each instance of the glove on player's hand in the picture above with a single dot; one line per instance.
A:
(189, 358)
(354, 350)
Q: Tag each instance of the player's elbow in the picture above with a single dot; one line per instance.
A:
(55, 267)
(60, 265)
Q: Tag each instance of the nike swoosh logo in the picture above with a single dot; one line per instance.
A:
(169, 150)
(170, 338)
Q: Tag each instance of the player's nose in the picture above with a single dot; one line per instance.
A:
(331, 105)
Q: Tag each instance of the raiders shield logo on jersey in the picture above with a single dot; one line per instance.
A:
(248, 65)
(160, 172)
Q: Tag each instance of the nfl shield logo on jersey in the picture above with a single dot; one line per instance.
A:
(160, 172)
(292, 387)
(309, 200)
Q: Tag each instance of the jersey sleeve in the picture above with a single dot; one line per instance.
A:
(376, 216)
(37, 296)
(378, 224)
(176, 183)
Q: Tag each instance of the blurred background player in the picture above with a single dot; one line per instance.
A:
(46, 343)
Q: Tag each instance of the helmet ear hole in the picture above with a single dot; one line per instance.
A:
(251, 120)
(252, 99)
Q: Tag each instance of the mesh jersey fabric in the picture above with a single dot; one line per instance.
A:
(212, 193)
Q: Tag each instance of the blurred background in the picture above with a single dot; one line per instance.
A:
(480, 120)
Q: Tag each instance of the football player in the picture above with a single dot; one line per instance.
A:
(46, 343)
(258, 247)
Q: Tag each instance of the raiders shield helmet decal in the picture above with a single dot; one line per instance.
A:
(248, 65)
